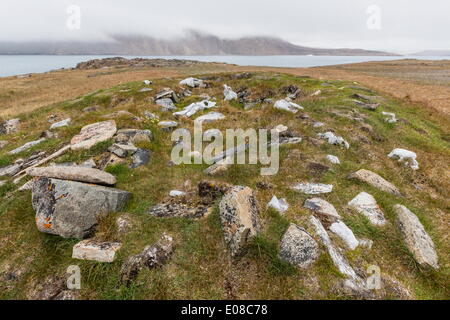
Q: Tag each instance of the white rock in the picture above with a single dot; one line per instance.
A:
(318, 124)
(281, 128)
(366, 204)
(366, 243)
(338, 260)
(195, 107)
(345, 233)
(405, 156)
(321, 206)
(333, 159)
(146, 90)
(229, 93)
(177, 193)
(313, 188)
(27, 146)
(279, 205)
(316, 93)
(287, 106)
(333, 139)
(166, 104)
(390, 117)
(147, 82)
(416, 238)
(60, 124)
(95, 251)
(209, 117)
(167, 124)
(192, 82)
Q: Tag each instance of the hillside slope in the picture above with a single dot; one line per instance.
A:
(33, 264)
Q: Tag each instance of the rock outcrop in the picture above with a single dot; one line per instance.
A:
(92, 134)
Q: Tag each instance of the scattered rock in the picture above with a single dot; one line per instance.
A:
(150, 116)
(338, 260)
(10, 126)
(60, 124)
(47, 134)
(345, 233)
(229, 93)
(298, 247)
(26, 146)
(70, 209)
(333, 159)
(141, 90)
(140, 158)
(154, 256)
(122, 150)
(124, 224)
(3, 143)
(10, 170)
(368, 106)
(195, 107)
(192, 82)
(166, 104)
(318, 124)
(375, 181)
(390, 117)
(90, 109)
(94, 250)
(218, 167)
(177, 193)
(210, 117)
(79, 174)
(279, 205)
(167, 93)
(287, 106)
(321, 206)
(313, 188)
(147, 82)
(130, 136)
(167, 125)
(405, 156)
(366, 243)
(316, 93)
(416, 238)
(181, 210)
(92, 134)
(331, 138)
(213, 189)
(366, 204)
(239, 216)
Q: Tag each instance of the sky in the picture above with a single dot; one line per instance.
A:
(401, 26)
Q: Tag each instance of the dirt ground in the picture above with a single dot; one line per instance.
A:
(422, 82)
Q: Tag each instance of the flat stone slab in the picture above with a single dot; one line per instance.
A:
(210, 117)
(366, 204)
(345, 233)
(71, 209)
(27, 146)
(80, 174)
(96, 251)
(375, 181)
(313, 188)
(239, 216)
(298, 247)
(321, 206)
(92, 134)
(60, 124)
(416, 238)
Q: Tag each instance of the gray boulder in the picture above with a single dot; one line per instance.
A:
(298, 247)
(239, 216)
(80, 174)
(140, 158)
(416, 238)
(71, 209)
(9, 126)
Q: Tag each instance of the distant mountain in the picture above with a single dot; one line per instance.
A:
(194, 43)
(433, 53)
